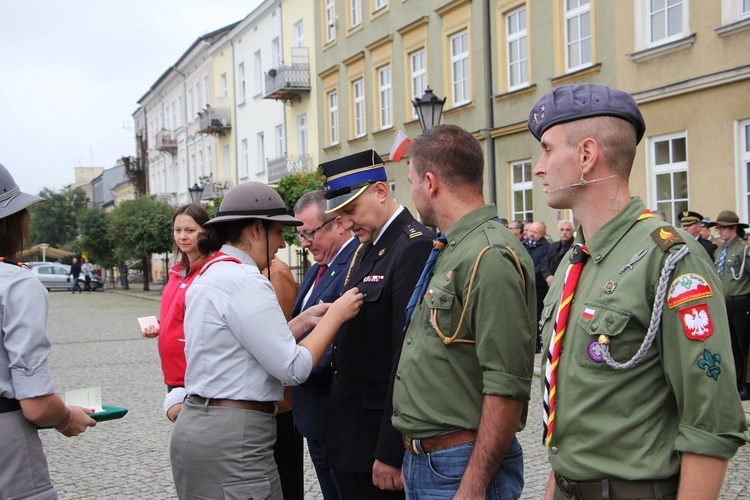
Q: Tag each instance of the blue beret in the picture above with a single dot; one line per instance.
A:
(574, 102)
(346, 178)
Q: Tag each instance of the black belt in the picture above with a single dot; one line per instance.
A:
(736, 298)
(618, 489)
(261, 406)
(8, 405)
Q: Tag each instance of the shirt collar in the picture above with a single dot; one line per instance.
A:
(468, 223)
(613, 231)
(385, 226)
(237, 254)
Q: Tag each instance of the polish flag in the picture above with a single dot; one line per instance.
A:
(400, 146)
(588, 313)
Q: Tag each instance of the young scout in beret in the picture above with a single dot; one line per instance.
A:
(639, 384)
(385, 267)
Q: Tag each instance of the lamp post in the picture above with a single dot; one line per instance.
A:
(429, 109)
(196, 192)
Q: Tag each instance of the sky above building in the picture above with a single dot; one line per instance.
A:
(71, 73)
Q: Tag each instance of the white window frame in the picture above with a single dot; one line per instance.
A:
(241, 78)
(516, 47)
(279, 144)
(276, 52)
(380, 4)
(385, 96)
(675, 204)
(205, 90)
(358, 93)
(227, 163)
(302, 142)
(581, 46)
(330, 16)
(223, 86)
(355, 13)
(644, 18)
(190, 102)
(734, 10)
(525, 187)
(299, 33)
(333, 116)
(258, 71)
(244, 159)
(460, 74)
(261, 167)
(201, 164)
(197, 97)
(742, 142)
(418, 67)
(209, 161)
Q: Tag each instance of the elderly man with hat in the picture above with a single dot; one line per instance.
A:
(692, 223)
(731, 264)
(241, 352)
(385, 267)
(634, 326)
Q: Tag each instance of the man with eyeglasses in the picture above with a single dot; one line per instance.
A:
(731, 264)
(332, 247)
(385, 267)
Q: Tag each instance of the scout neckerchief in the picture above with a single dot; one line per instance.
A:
(577, 259)
(424, 278)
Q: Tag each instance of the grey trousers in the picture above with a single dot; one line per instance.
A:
(23, 473)
(225, 453)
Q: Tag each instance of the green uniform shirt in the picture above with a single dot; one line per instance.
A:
(736, 277)
(681, 397)
(438, 387)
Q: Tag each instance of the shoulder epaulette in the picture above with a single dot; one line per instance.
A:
(412, 232)
(666, 236)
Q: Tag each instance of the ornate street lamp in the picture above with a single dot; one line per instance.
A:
(196, 192)
(429, 109)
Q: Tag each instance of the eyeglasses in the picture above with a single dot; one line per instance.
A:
(309, 236)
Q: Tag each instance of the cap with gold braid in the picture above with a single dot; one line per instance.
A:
(346, 178)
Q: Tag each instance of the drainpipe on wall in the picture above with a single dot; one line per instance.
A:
(490, 104)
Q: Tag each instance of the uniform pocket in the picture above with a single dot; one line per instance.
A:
(254, 489)
(605, 319)
(440, 301)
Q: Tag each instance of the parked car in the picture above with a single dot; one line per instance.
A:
(56, 276)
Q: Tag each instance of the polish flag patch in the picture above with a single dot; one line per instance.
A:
(588, 313)
(696, 322)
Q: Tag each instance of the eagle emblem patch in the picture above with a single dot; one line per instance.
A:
(696, 322)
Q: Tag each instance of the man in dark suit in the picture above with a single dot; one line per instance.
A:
(538, 246)
(557, 249)
(332, 248)
(386, 266)
(691, 222)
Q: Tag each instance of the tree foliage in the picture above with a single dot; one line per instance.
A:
(96, 237)
(55, 221)
(291, 188)
(140, 228)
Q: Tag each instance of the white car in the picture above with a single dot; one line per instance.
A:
(53, 276)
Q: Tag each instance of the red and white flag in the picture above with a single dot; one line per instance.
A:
(400, 146)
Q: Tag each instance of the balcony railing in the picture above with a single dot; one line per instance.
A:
(166, 142)
(288, 164)
(215, 121)
(286, 83)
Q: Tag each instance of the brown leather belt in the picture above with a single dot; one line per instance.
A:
(262, 406)
(617, 490)
(8, 405)
(440, 442)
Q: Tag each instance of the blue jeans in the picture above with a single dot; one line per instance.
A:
(437, 475)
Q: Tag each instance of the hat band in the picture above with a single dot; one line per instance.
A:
(267, 211)
(8, 197)
(353, 177)
(352, 172)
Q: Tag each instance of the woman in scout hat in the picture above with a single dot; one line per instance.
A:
(241, 352)
(27, 395)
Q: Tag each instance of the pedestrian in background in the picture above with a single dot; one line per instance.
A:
(731, 264)
(639, 393)
(538, 248)
(241, 351)
(86, 270)
(27, 397)
(691, 222)
(75, 272)
(463, 385)
(557, 250)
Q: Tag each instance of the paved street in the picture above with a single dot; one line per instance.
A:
(96, 342)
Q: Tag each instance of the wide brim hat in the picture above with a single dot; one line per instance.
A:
(344, 179)
(568, 103)
(12, 200)
(253, 200)
(728, 218)
(688, 218)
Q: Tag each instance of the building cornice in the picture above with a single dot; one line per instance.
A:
(422, 21)
(693, 84)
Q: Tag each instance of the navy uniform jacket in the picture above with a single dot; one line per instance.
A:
(310, 400)
(367, 348)
(708, 245)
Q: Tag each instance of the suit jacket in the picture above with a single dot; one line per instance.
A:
(538, 252)
(554, 257)
(367, 348)
(708, 245)
(310, 400)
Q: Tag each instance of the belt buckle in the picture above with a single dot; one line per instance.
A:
(565, 487)
(410, 445)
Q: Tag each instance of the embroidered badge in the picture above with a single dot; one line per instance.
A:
(595, 352)
(696, 321)
(666, 236)
(710, 364)
(687, 287)
(588, 313)
(609, 287)
(373, 279)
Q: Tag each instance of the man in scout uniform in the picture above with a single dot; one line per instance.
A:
(393, 249)
(734, 273)
(639, 388)
(464, 378)
(691, 222)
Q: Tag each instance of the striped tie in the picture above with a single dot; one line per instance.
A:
(577, 259)
(722, 260)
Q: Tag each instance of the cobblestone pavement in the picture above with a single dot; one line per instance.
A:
(96, 342)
